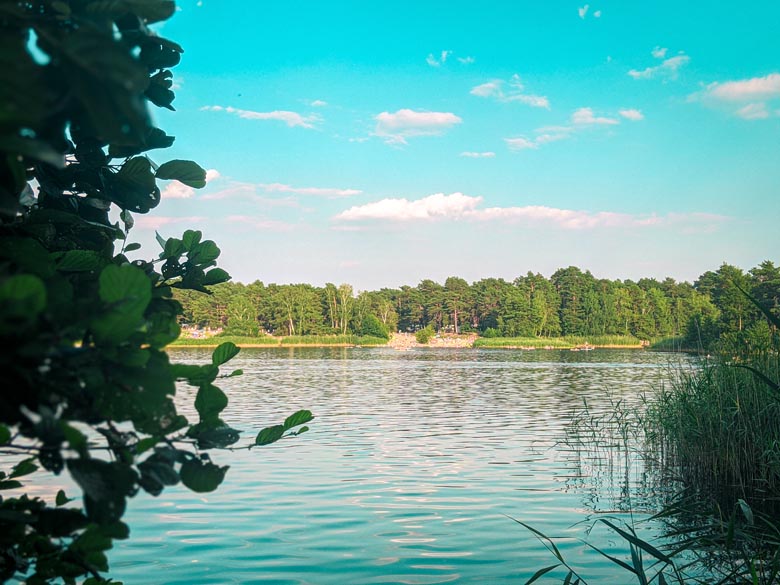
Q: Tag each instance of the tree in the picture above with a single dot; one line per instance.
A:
(88, 387)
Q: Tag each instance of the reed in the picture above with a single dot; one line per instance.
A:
(567, 342)
(312, 340)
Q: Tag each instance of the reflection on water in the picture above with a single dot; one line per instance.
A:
(408, 474)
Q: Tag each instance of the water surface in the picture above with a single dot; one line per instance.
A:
(411, 471)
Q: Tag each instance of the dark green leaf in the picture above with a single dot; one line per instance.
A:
(204, 253)
(184, 171)
(269, 435)
(132, 247)
(23, 468)
(5, 434)
(79, 261)
(202, 476)
(224, 353)
(297, 418)
(62, 499)
(210, 401)
(191, 238)
(215, 276)
(217, 438)
(9, 485)
(541, 573)
(160, 240)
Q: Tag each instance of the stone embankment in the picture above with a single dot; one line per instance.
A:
(404, 341)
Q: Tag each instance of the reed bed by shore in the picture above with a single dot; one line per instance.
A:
(567, 342)
(289, 341)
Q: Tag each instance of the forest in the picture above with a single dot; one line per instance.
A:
(572, 302)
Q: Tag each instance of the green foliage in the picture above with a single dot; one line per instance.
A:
(87, 387)
(425, 334)
(373, 327)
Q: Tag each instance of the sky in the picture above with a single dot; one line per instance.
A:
(381, 143)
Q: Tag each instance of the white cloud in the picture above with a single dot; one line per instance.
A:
(466, 60)
(583, 11)
(478, 154)
(156, 222)
(659, 52)
(515, 92)
(597, 14)
(750, 96)
(438, 206)
(756, 88)
(434, 62)
(667, 69)
(314, 191)
(260, 223)
(396, 127)
(487, 89)
(292, 119)
(755, 111)
(520, 143)
(584, 116)
(177, 190)
(318, 103)
(460, 207)
(632, 114)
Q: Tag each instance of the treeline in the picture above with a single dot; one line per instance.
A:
(570, 302)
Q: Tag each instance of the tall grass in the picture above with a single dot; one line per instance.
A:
(313, 340)
(567, 342)
(332, 340)
(718, 429)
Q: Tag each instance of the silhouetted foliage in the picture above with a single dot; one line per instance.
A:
(87, 386)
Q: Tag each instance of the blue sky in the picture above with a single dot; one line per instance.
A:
(383, 143)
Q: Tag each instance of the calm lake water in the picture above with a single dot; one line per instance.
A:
(411, 471)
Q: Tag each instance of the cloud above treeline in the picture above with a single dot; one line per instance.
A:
(292, 119)
(510, 91)
(750, 99)
(460, 207)
(668, 68)
(580, 120)
(177, 190)
(397, 127)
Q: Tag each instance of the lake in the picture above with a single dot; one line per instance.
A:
(412, 471)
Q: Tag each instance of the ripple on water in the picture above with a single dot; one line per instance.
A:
(411, 473)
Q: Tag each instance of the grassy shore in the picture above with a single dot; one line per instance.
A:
(290, 341)
(568, 342)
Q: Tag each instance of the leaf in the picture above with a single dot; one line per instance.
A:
(152, 10)
(770, 316)
(201, 476)
(184, 171)
(269, 435)
(125, 285)
(160, 240)
(5, 434)
(23, 297)
(10, 485)
(298, 418)
(541, 573)
(25, 467)
(633, 539)
(204, 253)
(217, 438)
(79, 261)
(215, 276)
(210, 401)
(132, 247)
(224, 353)
(62, 499)
(761, 376)
(191, 238)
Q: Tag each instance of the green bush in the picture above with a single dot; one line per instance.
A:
(424, 335)
(373, 327)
